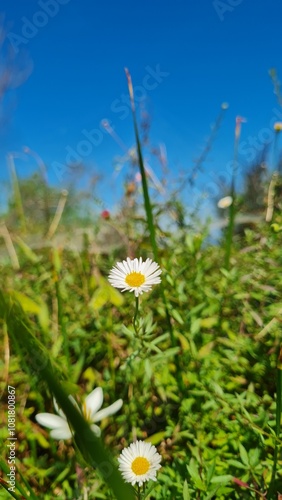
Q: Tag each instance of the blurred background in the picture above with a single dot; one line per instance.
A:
(66, 124)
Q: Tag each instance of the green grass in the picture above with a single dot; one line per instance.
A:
(221, 423)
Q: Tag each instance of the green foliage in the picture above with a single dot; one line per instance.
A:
(216, 433)
(39, 204)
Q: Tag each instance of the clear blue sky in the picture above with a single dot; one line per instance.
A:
(185, 57)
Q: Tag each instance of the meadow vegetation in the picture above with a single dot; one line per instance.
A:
(196, 361)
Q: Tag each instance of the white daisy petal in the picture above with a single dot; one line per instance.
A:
(49, 420)
(93, 402)
(58, 410)
(58, 424)
(61, 433)
(139, 463)
(96, 430)
(106, 412)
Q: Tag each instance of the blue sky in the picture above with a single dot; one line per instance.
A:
(186, 58)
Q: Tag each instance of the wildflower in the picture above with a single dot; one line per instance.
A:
(58, 424)
(135, 275)
(105, 214)
(139, 463)
(277, 126)
(225, 202)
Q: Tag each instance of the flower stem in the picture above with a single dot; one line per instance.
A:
(17, 192)
(232, 209)
(150, 222)
(277, 425)
(147, 202)
(135, 318)
(61, 317)
(139, 495)
(146, 196)
(230, 228)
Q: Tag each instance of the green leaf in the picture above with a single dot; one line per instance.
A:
(186, 494)
(209, 322)
(28, 305)
(176, 315)
(195, 326)
(226, 478)
(116, 298)
(244, 455)
(236, 463)
(28, 252)
(105, 293)
(210, 472)
(195, 476)
(156, 438)
(254, 457)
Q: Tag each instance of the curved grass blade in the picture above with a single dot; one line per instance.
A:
(37, 358)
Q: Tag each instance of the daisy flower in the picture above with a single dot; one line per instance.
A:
(225, 202)
(58, 424)
(139, 463)
(135, 275)
(277, 126)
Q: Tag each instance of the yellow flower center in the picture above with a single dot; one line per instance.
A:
(86, 412)
(140, 465)
(135, 279)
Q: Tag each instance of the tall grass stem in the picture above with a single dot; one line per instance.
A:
(232, 208)
(40, 364)
(271, 491)
(149, 216)
(16, 191)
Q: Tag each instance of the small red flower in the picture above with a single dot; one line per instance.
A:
(105, 214)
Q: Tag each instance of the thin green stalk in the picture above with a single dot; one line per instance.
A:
(230, 230)
(139, 494)
(276, 176)
(62, 322)
(7, 487)
(17, 192)
(232, 211)
(135, 326)
(61, 317)
(147, 202)
(150, 221)
(43, 172)
(4, 467)
(271, 491)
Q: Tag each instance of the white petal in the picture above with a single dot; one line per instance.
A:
(50, 421)
(61, 433)
(108, 411)
(96, 430)
(93, 402)
(58, 410)
(74, 402)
